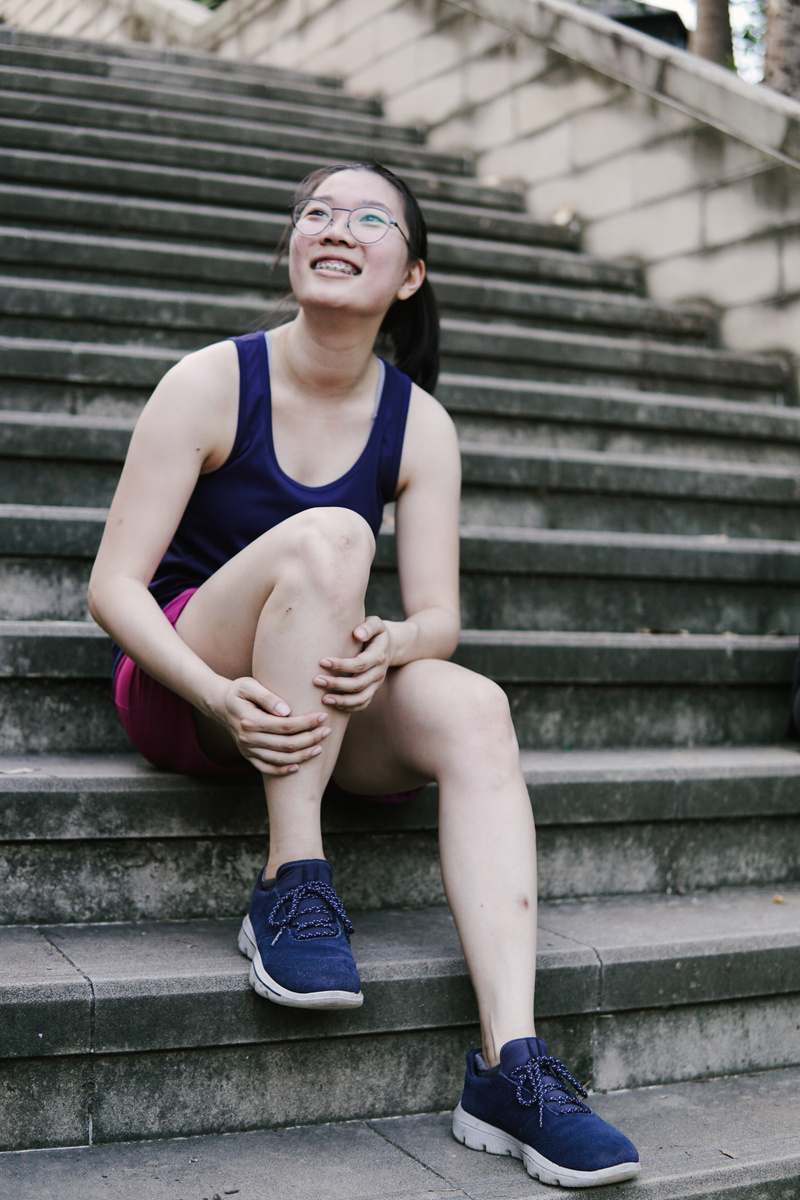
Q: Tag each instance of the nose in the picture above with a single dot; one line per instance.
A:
(339, 229)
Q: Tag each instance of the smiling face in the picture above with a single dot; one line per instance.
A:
(332, 269)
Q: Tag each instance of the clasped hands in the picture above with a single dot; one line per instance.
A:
(277, 742)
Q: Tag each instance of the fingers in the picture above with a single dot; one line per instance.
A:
(281, 756)
(252, 690)
(368, 628)
(346, 685)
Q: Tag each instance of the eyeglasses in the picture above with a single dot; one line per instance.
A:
(367, 225)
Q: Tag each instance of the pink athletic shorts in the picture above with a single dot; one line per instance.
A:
(161, 726)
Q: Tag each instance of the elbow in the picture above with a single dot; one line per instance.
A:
(93, 601)
(454, 633)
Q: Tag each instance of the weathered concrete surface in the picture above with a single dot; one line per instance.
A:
(722, 1139)
(90, 839)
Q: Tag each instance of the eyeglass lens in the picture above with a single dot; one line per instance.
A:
(311, 217)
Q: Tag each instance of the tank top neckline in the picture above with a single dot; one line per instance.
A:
(373, 433)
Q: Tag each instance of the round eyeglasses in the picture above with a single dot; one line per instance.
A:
(367, 225)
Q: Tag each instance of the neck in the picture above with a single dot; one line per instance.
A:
(330, 358)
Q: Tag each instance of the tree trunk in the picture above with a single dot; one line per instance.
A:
(712, 38)
(782, 59)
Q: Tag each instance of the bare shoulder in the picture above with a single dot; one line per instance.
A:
(430, 436)
(197, 400)
(206, 374)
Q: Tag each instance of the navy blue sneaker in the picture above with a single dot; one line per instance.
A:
(524, 1108)
(297, 935)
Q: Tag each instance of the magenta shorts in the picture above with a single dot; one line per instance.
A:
(161, 726)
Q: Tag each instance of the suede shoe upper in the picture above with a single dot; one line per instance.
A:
(302, 930)
(529, 1097)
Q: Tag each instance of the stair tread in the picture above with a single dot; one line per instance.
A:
(69, 531)
(57, 649)
(113, 56)
(68, 796)
(697, 1141)
(143, 985)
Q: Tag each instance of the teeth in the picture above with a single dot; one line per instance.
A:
(336, 264)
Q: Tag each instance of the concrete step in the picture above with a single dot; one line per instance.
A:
(41, 187)
(108, 838)
(109, 259)
(567, 690)
(494, 410)
(510, 579)
(590, 490)
(114, 260)
(310, 110)
(59, 126)
(619, 420)
(469, 347)
(198, 219)
(553, 355)
(90, 311)
(170, 66)
(505, 485)
(139, 1024)
(705, 1140)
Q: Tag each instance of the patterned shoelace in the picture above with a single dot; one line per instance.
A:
(534, 1072)
(312, 921)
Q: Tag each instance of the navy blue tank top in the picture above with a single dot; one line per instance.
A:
(249, 494)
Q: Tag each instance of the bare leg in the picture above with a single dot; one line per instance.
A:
(435, 720)
(272, 613)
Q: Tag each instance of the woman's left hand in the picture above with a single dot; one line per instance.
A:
(350, 683)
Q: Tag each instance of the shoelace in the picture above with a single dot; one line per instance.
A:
(318, 920)
(531, 1073)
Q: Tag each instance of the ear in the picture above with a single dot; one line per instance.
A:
(412, 282)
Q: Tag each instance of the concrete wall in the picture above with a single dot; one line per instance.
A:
(659, 155)
(160, 22)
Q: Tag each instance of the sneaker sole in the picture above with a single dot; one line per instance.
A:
(477, 1135)
(266, 986)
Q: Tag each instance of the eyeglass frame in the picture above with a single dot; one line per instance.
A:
(338, 208)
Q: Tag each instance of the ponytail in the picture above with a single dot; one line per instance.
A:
(412, 325)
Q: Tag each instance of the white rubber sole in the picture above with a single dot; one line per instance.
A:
(476, 1134)
(267, 987)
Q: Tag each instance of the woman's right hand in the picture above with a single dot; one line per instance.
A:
(265, 732)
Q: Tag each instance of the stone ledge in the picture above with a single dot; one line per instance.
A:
(40, 125)
(699, 659)
(132, 59)
(294, 107)
(54, 650)
(49, 798)
(142, 65)
(170, 985)
(709, 93)
(116, 307)
(68, 532)
(677, 1128)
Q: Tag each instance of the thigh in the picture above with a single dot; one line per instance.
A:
(395, 744)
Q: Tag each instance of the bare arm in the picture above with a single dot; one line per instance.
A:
(187, 428)
(184, 430)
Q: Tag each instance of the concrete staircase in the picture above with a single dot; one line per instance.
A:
(630, 575)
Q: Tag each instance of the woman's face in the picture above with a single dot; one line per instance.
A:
(334, 270)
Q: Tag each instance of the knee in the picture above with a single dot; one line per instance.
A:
(332, 548)
(468, 708)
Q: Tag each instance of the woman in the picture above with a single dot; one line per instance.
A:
(246, 516)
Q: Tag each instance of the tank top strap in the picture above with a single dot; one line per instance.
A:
(391, 419)
(253, 389)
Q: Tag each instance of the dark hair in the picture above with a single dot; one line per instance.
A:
(412, 325)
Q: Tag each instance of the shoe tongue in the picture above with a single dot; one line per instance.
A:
(516, 1053)
(307, 870)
